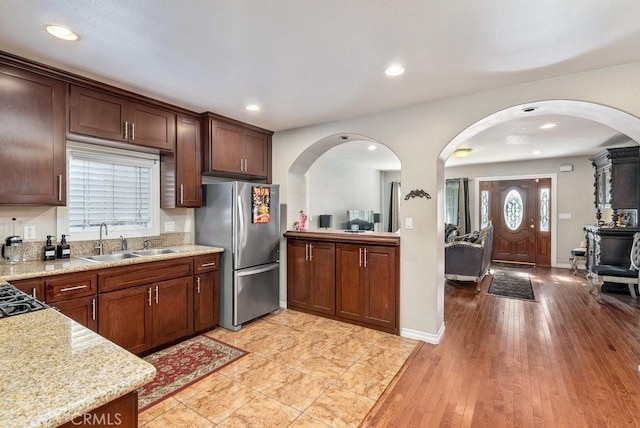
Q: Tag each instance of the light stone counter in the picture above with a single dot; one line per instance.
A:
(39, 268)
(55, 369)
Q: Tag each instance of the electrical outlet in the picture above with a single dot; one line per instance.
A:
(29, 232)
(169, 226)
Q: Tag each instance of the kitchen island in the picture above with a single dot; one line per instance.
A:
(347, 276)
(57, 370)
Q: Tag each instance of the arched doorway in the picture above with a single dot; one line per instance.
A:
(612, 118)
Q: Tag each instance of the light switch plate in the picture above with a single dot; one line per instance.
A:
(169, 226)
(564, 216)
(408, 223)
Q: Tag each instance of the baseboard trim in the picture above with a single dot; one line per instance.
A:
(421, 335)
(283, 304)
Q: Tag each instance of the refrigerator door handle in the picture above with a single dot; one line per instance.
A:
(247, 272)
(241, 222)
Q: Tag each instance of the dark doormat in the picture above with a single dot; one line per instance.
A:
(516, 285)
(513, 265)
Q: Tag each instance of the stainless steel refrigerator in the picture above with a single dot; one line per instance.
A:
(244, 219)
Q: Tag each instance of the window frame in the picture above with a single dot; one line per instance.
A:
(114, 231)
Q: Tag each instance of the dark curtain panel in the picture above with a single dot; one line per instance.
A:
(394, 207)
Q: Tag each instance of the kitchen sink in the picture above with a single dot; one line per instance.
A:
(109, 257)
(155, 252)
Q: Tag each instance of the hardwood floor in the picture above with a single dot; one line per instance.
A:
(563, 360)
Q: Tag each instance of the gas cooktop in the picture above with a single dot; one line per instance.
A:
(15, 302)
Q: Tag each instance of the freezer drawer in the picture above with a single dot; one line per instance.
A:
(256, 292)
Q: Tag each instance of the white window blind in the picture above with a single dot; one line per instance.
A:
(107, 186)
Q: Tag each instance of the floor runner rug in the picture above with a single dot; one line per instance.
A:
(516, 285)
(184, 364)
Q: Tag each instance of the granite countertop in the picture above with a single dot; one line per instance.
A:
(38, 268)
(339, 235)
(56, 369)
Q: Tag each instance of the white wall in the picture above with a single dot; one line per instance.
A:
(337, 186)
(419, 135)
(574, 195)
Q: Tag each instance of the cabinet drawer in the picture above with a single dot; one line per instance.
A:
(144, 273)
(69, 286)
(33, 287)
(207, 263)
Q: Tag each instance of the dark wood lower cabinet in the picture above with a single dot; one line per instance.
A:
(121, 412)
(82, 310)
(351, 282)
(311, 273)
(125, 318)
(365, 284)
(146, 316)
(206, 305)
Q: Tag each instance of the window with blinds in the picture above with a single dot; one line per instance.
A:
(110, 186)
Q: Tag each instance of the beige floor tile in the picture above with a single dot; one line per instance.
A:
(156, 410)
(298, 389)
(204, 383)
(306, 421)
(290, 358)
(387, 360)
(261, 411)
(348, 348)
(220, 400)
(340, 407)
(396, 343)
(324, 366)
(180, 416)
(365, 380)
(261, 374)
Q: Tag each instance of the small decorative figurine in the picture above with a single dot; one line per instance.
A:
(303, 221)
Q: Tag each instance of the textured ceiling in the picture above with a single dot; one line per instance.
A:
(308, 62)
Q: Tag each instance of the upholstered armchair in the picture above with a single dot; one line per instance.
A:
(468, 257)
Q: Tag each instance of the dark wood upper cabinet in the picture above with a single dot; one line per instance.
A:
(181, 184)
(101, 115)
(237, 150)
(32, 138)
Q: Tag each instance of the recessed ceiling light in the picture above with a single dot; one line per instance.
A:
(253, 107)
(548, 125)
(394, 70)
(372, 147)
(536, 152)
(529, 109)
(60, 32)
(461, 152)
(344, 137)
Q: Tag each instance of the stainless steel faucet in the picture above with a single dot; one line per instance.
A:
(123, 243)
(100, 246)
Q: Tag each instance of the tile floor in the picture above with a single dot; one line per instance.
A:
(302, 371)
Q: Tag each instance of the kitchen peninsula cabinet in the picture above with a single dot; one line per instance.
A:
(235, 149)
(206, 303)
(365, 284)
(351, 277)
(311, 276)
(32, 138)
(102, 115)
(82, 310)
(181, 171)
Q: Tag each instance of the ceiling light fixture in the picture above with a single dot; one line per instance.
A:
(529, 109)
(537, 152)
(60, 32)
(462, 152)
(253, 107)
(344, 137)
(372, 147)
(394, 70)
(548, 125)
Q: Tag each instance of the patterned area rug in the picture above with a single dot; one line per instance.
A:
(516, 285)
(183, 364)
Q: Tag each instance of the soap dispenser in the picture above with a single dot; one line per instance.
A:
(49, 249)
(64, 249)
